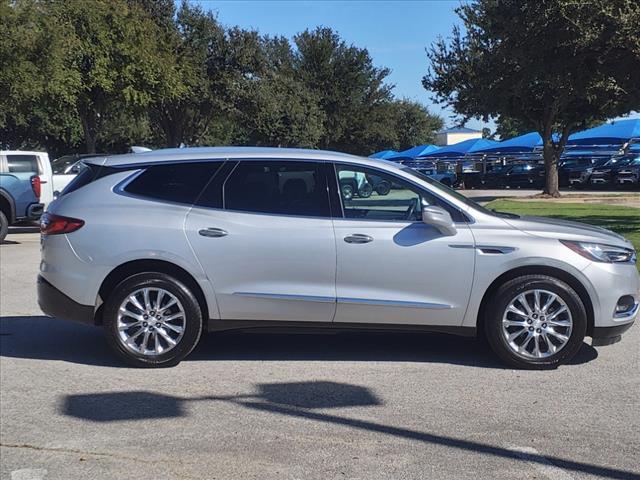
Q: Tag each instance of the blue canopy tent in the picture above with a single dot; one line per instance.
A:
(411, 153)
(466, 147)
(614, 133)
(521, 144)
(383, 154)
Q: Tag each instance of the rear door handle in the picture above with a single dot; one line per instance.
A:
(213, 232)
(358, 238)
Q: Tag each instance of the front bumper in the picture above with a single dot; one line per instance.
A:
(609, 335)
(56, 304)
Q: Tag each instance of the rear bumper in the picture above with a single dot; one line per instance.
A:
(34, 212)
(609, 335)
(56, 304)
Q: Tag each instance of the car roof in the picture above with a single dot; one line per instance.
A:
(21, 152)
(219, 153)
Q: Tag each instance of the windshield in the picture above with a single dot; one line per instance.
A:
(458, 196)
(618, 161)
(60, 165)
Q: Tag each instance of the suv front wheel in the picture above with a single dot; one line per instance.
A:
(535, 322)
(152, 320)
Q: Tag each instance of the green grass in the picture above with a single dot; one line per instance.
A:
(620, 219)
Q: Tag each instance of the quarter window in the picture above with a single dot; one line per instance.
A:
(369, 194)
(178, 182)
(282, 188)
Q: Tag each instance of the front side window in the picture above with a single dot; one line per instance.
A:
(281, 188)
(178, 182)
(23, 164)
(370, 194)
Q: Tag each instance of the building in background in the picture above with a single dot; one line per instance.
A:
(450, 136)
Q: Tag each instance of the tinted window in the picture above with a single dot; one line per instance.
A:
(211, 196)
(23, 163)
(285, 188)
(373, 195)
(179, 182)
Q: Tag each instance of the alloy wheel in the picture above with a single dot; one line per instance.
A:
(151, 321)
(537, 324)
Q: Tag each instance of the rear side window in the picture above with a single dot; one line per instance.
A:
(179, 182)
(281, 188)
(23, 164)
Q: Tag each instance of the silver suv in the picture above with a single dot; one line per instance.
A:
(160, 246)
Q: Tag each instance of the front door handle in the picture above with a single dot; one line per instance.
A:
(213, 232)
(358, 238)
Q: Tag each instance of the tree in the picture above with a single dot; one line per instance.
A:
(37, 100)
(113, 53)
(410, 124)
(555, 65)
(348, 86)
(273, 104)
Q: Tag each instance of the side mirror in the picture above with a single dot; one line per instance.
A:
(438, 217)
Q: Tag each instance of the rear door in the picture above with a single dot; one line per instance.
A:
(263, 233)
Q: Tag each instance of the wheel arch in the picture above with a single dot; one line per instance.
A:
(558, 273)
(133, 267)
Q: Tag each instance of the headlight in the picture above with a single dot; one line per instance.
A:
(598, 252)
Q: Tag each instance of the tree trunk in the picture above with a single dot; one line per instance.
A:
(551, 186)
(89, 127)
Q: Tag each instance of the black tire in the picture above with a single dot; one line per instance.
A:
(501, 300)
(347, 191)
(4, 226)
(192, 328)
(365, 191)
(383, 188)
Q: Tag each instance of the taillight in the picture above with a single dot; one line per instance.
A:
(51, 224)
(36, 185)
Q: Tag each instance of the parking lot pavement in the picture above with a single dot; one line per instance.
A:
(257, 406)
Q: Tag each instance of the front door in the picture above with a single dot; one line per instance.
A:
(392, 268)
(264, 236)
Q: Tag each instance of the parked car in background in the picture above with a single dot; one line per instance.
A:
(65, 169)
(36, 162)
(19, 194)
(579, 173)
(629, 174)
(605, 175)
(445, 176)
(161, 246)
(495, 177)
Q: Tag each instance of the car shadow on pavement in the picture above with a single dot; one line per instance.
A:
(307, 401)
(77, 343)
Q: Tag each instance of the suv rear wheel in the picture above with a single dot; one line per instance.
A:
(152, 320)
(535, 322)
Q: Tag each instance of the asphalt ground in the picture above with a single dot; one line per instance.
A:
(275, 406)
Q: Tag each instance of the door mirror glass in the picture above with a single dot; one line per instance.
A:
(438, 217)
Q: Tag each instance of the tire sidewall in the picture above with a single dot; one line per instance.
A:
(4, 226)
(193, 320)
(502, 298)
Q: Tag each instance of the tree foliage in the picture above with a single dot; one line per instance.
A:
(106, 74)
(554, 66)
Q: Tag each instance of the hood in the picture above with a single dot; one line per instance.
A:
(567, 230)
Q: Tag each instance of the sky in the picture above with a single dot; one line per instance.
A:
(395, 33)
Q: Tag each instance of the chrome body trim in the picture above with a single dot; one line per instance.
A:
(394, 303)
(282, 296)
